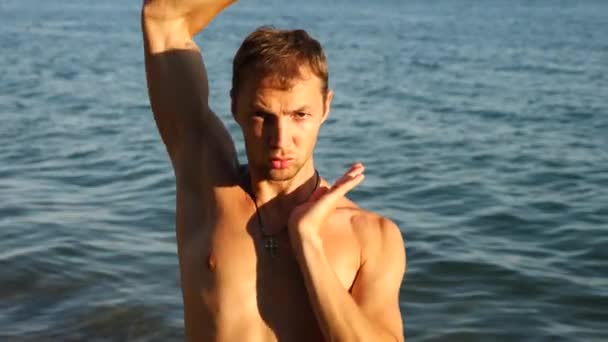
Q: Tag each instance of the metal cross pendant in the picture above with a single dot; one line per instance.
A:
(271, 246)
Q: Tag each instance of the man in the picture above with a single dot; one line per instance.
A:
(269, 251)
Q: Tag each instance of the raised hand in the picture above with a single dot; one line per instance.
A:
(306, 219)
(196, 14)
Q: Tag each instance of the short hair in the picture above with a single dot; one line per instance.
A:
(279, 55)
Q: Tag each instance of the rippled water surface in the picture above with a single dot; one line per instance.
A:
(483, 125)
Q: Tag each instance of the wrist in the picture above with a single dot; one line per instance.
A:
(159, 10)
(165, 32)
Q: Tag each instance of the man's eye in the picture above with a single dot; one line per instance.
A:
(259, 115)
(301, 115)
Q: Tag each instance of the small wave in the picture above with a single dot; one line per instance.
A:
(539, 69)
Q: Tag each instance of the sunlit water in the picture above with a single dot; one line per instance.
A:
(483, 125)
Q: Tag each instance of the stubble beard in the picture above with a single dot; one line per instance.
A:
(283, 175)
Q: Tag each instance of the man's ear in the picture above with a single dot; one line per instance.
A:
(327, 105)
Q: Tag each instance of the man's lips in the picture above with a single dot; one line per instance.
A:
(280, 163)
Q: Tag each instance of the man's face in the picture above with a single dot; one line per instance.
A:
(280, 126)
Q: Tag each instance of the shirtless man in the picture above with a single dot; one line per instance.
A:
(269, 251)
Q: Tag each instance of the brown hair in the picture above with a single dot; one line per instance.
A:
(279, 55)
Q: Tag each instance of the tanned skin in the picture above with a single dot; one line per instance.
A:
(338, 269)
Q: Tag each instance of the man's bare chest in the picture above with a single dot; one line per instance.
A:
(231, 275)
(238, 262)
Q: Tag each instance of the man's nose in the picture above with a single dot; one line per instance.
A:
(279, 134)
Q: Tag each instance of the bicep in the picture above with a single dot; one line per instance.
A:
(178, 91)
(196, 140)
(376, 289)
(207, 158)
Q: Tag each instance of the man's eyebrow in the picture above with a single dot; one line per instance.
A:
(258, 107)
(304, 108)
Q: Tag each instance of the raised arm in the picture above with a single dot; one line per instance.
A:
(198, 144)
(370, 312)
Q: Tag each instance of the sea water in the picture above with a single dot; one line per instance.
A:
(483, 126)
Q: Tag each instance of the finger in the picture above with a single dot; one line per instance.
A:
(346, 184)
(329, 197)
(354, 171)
(328, 201)
(353, 177)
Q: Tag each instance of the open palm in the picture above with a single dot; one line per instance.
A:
(309, 216)
(195, 13)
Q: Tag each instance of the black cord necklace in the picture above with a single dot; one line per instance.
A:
(271, 244)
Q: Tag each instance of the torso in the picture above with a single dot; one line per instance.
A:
(233, 289)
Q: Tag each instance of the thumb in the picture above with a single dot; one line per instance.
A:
(318, 194)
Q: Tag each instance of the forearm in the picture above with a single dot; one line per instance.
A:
(337, 313)
(176, 75)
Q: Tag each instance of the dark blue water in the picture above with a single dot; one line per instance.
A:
(483, 125)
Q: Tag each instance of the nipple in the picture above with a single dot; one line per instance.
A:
(211, 262)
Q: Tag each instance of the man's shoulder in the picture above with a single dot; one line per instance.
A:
(372, 229)
(380, 240)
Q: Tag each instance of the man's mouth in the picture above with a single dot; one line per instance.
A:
(280, 163)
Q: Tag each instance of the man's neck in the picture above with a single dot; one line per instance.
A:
(284, 195)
